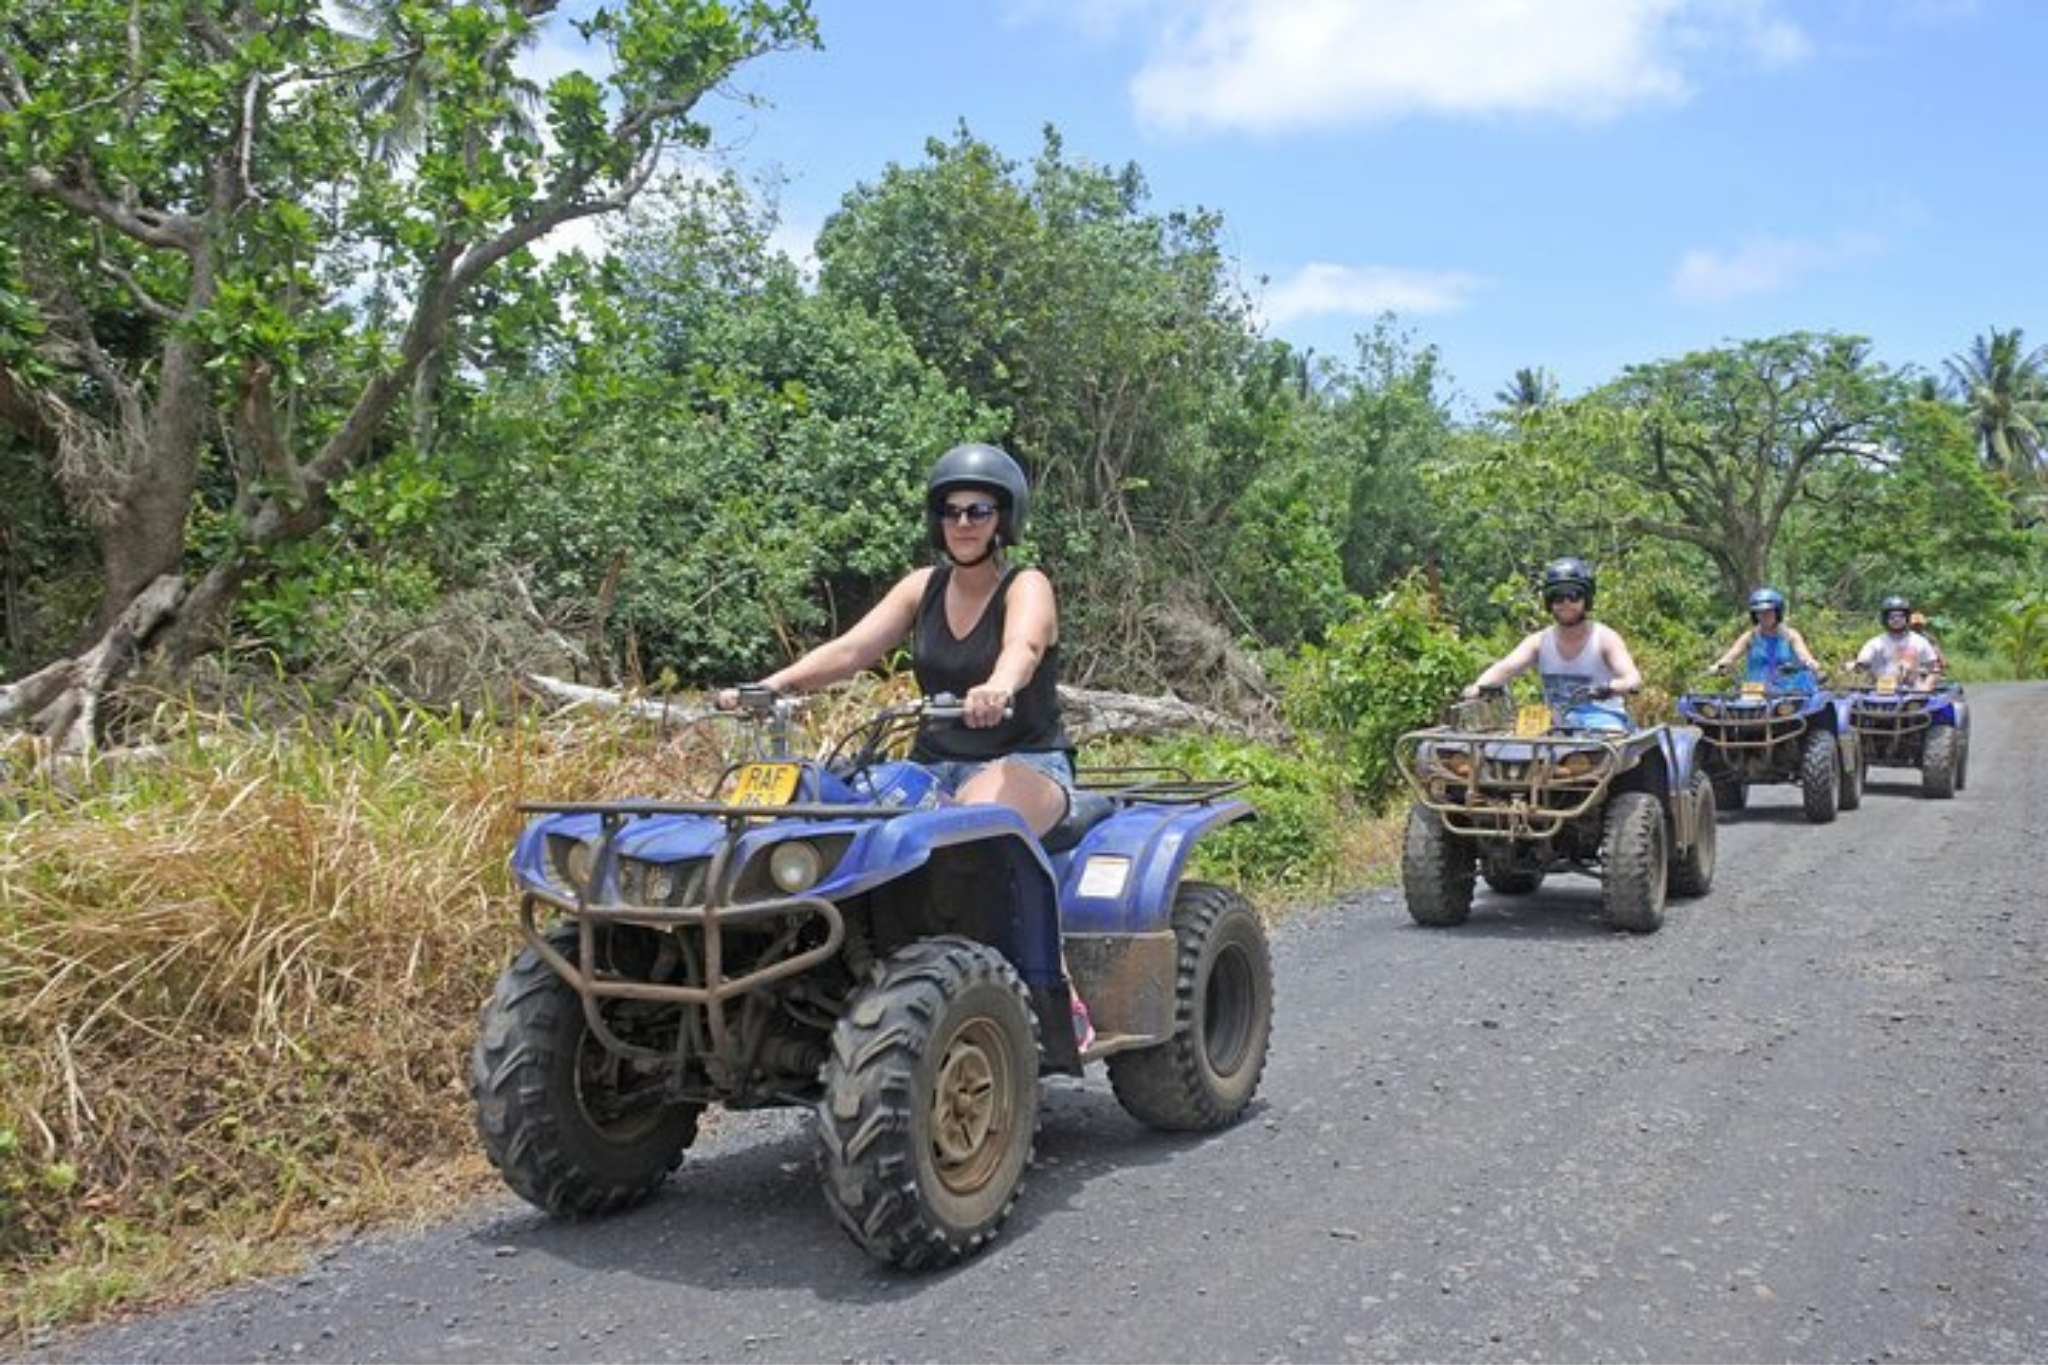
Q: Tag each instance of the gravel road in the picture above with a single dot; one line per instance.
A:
(1806, 1121)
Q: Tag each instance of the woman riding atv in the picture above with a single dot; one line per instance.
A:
(1769, 649)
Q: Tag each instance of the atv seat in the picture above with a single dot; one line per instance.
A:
(1087, 810)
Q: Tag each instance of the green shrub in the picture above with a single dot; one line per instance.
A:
(1388, 668)
(1301, 836)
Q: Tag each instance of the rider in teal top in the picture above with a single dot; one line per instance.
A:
(1769, 645)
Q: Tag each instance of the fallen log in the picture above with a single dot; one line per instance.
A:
(1089, 713)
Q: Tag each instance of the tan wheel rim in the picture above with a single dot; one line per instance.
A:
(971, 1107)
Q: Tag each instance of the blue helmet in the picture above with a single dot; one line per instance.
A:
(1767, 599)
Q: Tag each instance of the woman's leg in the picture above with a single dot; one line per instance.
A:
(1043, 803)
(1040, 800)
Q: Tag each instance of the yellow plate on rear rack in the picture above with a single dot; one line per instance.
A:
(1752, 689)
(1888, 684)
(1532, 718)
(766, 784)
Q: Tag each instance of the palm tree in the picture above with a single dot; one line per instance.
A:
(1528, 391)
(2004, 387)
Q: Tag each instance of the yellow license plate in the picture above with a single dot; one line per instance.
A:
(1887, 685)
(1752, 689)
(1533, 719)
(765, 784)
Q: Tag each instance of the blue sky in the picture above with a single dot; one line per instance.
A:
(1574, 184)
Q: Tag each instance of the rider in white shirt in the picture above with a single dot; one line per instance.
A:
(1900, 651)
(1573, 654)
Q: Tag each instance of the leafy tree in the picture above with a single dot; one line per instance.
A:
(1111, 336)
(1934, 526)
(226, 290)
(2004, 388)
(1724, 442)
(722, 465)
(1383, 422)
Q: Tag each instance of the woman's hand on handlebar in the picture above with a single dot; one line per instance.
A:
(757, 698)
(986, 705)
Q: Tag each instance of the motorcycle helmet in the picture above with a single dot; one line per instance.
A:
(1767, 599)
(1890, 605)
(1561, 575)
(975, 465)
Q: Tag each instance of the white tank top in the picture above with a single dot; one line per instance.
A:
(1560, 676)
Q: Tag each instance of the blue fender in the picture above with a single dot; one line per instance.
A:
(1680, 742)
(1122, 877)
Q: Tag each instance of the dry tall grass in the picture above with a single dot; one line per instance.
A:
(238, 983)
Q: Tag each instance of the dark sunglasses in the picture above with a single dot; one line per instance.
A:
(1895, 616)
(1564, 595)
(974, 513)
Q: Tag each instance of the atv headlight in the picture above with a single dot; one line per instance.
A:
(663, 882)
(645, 883)
(795, 866)
(572, 862)
(788, 867)
(1787, 707)
(1455, 763)
(1578, 763)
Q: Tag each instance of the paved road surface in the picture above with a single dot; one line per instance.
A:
(1807, 1121)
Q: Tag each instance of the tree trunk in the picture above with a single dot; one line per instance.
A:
(140, 528)
(63, 698)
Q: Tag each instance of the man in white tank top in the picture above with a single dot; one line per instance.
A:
(1573, 654)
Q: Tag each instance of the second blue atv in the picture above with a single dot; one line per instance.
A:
(1784, 729)
(837, 935)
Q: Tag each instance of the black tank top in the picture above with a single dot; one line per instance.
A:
(952, 664)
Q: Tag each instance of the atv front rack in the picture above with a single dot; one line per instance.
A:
(1490, 785)
(1892, 716)
(711, 915)
(1732, 722)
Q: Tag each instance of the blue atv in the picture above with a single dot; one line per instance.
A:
(1514, 794)
(838, 935)
(1925, 726)
(1786, 728)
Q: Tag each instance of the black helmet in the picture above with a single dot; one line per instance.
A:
(1767, 599)
(978, 466)
(1561, 574)
(1892, 604)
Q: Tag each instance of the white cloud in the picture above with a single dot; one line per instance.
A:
(1256, 65)
(1367, 291)
(1766, 265)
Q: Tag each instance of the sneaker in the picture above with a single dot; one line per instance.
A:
(1084, 1027)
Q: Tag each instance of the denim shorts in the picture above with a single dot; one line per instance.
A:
(1054, 763)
